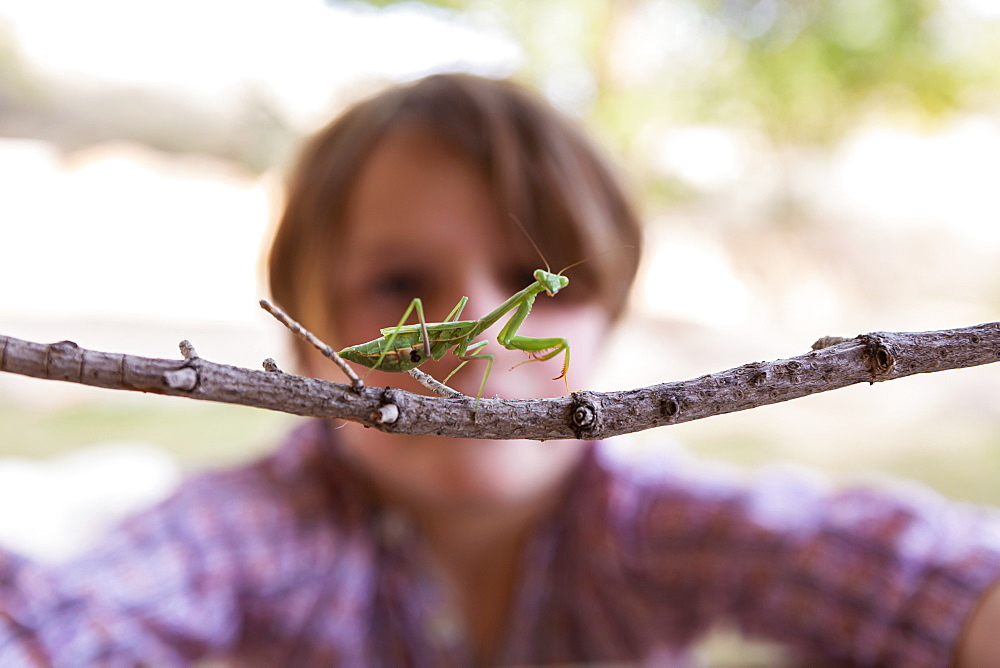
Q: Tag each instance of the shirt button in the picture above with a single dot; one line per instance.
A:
(444, 628)
(395, 528)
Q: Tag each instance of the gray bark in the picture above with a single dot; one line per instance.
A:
(835, 363)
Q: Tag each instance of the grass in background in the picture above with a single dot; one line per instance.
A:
(205, 435)
(198, 435)
(965, 472)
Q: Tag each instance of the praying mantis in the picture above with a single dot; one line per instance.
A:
(406, 347)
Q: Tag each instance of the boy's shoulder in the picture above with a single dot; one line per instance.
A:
(667, 486)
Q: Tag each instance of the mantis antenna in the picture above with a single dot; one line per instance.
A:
(533, 244)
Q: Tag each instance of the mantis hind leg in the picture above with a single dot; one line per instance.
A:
(463, 354)
(457, 311)
(389, 340)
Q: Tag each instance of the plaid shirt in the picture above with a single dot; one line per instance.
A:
(290, 561)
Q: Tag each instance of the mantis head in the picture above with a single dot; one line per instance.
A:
(552, 283)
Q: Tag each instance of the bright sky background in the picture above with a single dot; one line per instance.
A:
(303, 51)
(122, 232)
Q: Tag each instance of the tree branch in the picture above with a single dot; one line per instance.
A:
(835, 363)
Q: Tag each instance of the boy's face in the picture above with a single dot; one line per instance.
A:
(421, 223)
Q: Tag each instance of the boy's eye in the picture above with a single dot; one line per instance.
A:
(518, 277)
(399, 285)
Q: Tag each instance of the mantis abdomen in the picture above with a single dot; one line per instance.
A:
(406, 350)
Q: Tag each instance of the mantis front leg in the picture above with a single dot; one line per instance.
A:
(551, 346)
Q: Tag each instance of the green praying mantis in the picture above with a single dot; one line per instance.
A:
(406, 347)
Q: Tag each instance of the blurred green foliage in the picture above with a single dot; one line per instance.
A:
(797, 71)
(800, 70)
(809, 69)
(793, 73)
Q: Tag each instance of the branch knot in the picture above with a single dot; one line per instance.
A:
(879, 355)
(584, 418)
(670, 407)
